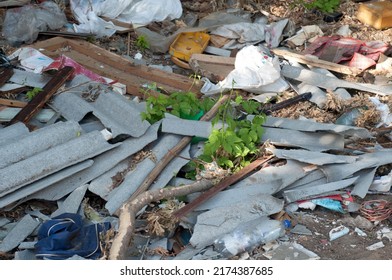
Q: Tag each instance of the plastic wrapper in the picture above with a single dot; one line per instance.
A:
(136, 12)
(22, 25)
(254, 71)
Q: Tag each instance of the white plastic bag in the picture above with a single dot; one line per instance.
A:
(136, 12)
(22, 25)
(254, 69)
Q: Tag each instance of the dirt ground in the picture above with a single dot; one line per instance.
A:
(319, 221)
(348, 247)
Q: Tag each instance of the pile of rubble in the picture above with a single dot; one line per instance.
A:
(112, 184)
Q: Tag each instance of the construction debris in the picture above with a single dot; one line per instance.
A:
(80, 152)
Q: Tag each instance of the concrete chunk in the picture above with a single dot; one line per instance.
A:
(19, 233)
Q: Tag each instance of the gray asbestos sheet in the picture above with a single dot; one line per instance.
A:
(25, 255)
(19, 233)
(23, 194)
(134, 178)
(102, 163)
(52, 160)
(326, 82)
(234, 196)
(30, 79)
(313, 141)
(105, 183)
(4, 221)
(72, 203)
(118, 114)
(316, 158)
(305, 193)
(315, 177)
(340, 92)
(272, 179)
(38, 141)
(219, 221)
(336, 172)
(187, 127)
(319, 97)
(12, 132)
(312, 126)
(364, 182)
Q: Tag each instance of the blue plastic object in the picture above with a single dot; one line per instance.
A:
(66, 235)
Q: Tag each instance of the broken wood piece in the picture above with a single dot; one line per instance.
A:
(215, 68)
(5, 75)
(314, 61)
(14, 92)
(115, 67)
(32, 108)
(66, 34)
(11, 3)
(129, 210)
(269, 108)
(12, 103)
(226, 182)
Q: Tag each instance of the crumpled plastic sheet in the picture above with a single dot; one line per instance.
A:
(255, 71)
(67, 235)
(136, 12)
(22, 25)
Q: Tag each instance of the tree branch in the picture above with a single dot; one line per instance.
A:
(128, 213)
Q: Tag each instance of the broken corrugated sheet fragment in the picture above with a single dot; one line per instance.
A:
(219, 221)
(118, 114)
(19, 233)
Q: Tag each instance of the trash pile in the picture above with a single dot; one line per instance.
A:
(104, 157)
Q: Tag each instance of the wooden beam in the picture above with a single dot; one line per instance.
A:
(42, 97)
(215, 68)
(12, 103)
(316, 62)
(116, 67)
(5, 75)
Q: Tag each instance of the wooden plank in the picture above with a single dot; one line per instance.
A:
(5, 75)
(108, 61)
(314, 61)
(12, 103)
(215, 68)
(11, 3)
(33, 107)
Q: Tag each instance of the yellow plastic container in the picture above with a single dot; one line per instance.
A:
(188, 43)
(376, 14)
